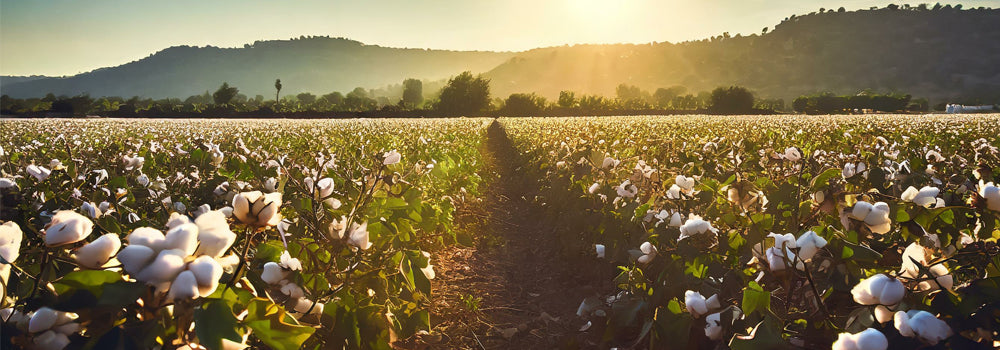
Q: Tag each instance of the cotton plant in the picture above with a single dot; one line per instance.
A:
(187, 262)
(874, 216)
(49, 329)
(698, 232)
(925, 197)
(67, 227)
(682, 185)
(10, 248)
(868, 339)
(697, 305)
(990, 193)
(921, 325)
(257, 209)
(351, 233)
(915, 258)
(881, 291)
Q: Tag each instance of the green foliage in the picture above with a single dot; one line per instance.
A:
(732, 100)
(224, 94)
(465, 94)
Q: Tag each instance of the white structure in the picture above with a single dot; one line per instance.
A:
(954, 108)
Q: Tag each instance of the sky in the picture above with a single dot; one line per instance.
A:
(67, 37)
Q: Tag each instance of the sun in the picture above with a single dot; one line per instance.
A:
(595, 10)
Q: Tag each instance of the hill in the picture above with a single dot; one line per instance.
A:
(315, 64)
(943, 53)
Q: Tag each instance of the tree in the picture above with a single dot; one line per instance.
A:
(523, 105)
(277, 86)
(567, 99)
(465, 94)
(306, 98)
(413, 93)
(663, 96)
(224, 94)
(731, 100)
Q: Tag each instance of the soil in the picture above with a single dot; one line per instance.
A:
(512, 289)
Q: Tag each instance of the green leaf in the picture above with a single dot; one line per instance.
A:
(90, 280)
(215, 321)
(268, 322)
(755, 298)
(765, 335)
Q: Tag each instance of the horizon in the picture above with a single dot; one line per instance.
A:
(139, 28)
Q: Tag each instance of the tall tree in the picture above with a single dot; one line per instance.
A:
(465, 94)
(413, 93)
(224, 94)
(277, 86)
(731, 100)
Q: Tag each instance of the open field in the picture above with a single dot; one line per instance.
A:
(743, 232)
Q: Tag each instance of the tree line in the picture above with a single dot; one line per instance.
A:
(463, 95)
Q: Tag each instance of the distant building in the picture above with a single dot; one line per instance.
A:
(955, 108)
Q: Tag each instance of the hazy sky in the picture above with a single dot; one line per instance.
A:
(65, 37)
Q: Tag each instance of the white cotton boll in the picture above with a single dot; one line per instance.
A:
(609, 163)
(10, 241)
(593, 188)
(176, 219)
(43, 319)
(90, 210)
(67, 227)
(792, 154)
(229, 262)
(991, 193)
(273, 273)
(68, 328)
(207, 272)
(878, 290)
(358, 236)
(819, 197)
(95, 254)
(600, 250)
(861, 210)
(201, 210)
(922, 325)
(167, 265)
(925, 197)
(883, 314)
(713, 302)
(135, 257)
(325, 186)
(271, 184)
(304, 306)
(685, 183)
(38, 172)
(809, 244)
(183, 238)
(292, 291)
(143, 180)
(649, 252)
(391, 157)
(147, 236)
(674, 192)
(185, 286)
(871, 339)
(290, 263)
(713, 326)
(695, 303)
(214, 234)
(775, 261)
(51, 340)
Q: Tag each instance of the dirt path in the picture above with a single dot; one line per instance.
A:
(512, 290)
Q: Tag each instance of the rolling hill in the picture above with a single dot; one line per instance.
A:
(940, 54)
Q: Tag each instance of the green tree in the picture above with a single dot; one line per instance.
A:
(731, 100)
(306, 98)
(224, 94)
(523, 105)
(567, 99)
(663, 96)
(413, 93)
(465, 94)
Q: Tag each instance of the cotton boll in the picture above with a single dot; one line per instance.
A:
(43, 319)
(593, 188)
(871, 339)
(51, 340)
(306, 306)
(357, 236)
(273, 273)
(713, 326)
(176, 219)
(97, 253)
(922, 325)
(809, 243)
(600, 250)
(207, 272)
(135, 257)
(649, 252)
(67, 227)
(229, 262)
(290, 263)
(214, 234)
(883, 314)
(695, 303)
(185, 286)
(147, 236)
(861, 210)
(292, 291)
(878, 290)
(391, 157)
(10, 241)
(167, 265)
(183, 238)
